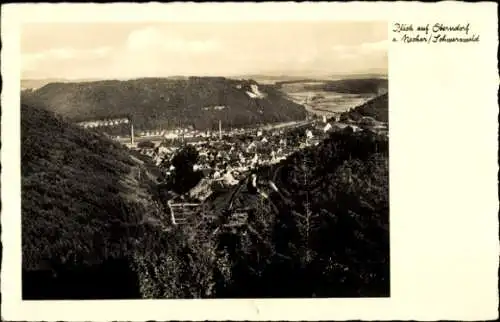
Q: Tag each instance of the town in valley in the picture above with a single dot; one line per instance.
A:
(201, 160)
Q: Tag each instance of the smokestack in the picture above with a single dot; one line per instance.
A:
(220, 130)
(131, 133)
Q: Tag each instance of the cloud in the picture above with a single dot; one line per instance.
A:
(360, 51)
(144, 39)
(153, 52)
(64, 62)
(148, 39)
(341, 48)
(382, 45)
(201, 49)
(34, 60)
(101, 51)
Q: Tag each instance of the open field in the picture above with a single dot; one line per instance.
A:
(320, 102)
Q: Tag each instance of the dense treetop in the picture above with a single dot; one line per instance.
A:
(376, 108)
(80, 193)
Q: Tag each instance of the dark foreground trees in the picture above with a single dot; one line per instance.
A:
(84, 211)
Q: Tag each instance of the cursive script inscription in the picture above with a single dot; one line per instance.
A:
(433, 33)
(399, 27)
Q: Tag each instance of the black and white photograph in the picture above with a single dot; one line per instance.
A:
(205, 160)
(235, 161)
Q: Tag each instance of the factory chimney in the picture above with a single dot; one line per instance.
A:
(220, 130)
(132, 133)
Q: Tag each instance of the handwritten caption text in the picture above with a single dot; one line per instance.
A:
(433, 33)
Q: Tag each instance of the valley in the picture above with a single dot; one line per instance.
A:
(184, 203)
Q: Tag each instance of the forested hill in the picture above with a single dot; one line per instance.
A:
(377, 108)
(315, 225)
(85, 208)
(165, 102)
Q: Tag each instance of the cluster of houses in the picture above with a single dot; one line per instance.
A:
(188, 133)
(99, 123)
(226, 160)
(228, 157)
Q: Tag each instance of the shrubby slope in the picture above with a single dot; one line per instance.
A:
(377, 108)
(85, 209)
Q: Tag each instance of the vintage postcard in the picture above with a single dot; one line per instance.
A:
(236, 161)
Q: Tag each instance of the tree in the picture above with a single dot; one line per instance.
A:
(185, 178)
(146, 145)
(185, 159)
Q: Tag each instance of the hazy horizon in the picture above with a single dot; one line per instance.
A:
(382, 74)
(73, 51)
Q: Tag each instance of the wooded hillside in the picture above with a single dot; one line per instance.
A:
(156, 103)
(84, 209)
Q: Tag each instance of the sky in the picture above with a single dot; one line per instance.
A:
(133, 50)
